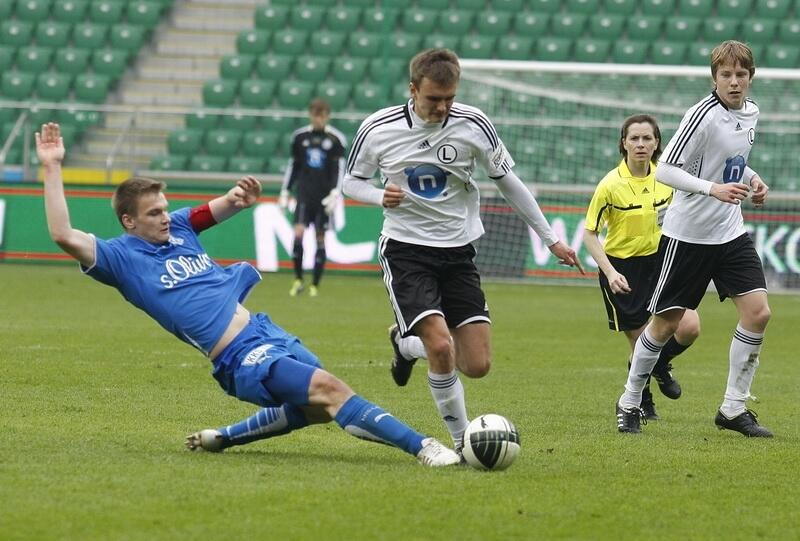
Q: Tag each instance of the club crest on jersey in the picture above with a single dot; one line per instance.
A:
(447, 153)
(426, 180)
(315, 158)
(257, 356)
(751, 135)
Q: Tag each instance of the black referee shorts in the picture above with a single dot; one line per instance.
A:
(311, 212)
(627, 312)
(424, 280)
(687, 269)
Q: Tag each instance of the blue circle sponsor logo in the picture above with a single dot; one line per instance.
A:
(426, 180)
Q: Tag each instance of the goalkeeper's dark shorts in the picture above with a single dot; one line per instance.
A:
(628, 311)
(425, 280)
(309, 212)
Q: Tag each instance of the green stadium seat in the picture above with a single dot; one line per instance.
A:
(789, 32)
(369, 97)
(222, 142)
(168, 163)
(553, 49)
(6, 9)
(773, 9)
(434, 4)
(71, 60)
(477, 46)
(274, 67)
(734, 8)
(17, 85)
(256, 93)
(312, 69)
(645, 25)
(280, 125)
(434, 41)
(492, 23)
(684, 29)
(53, 86)
(620, 7)
(33, 10)
(34, 59)
(7, 56)
(259, 143)
(52, 34)
(305, 17)
(587, 7)
(544, 6)
(699, 54)
(89, 35)
(40, 115)
(327, 43)
(668, 53)
(336, 94)
(512, 6)
(695, 8)
(247, 165)
(630, 52)
(364, 44)
(291, 42)
(253, 42)
(277, 165)
(531, 24)
(402, 45)
(207, 164)
(220, 92)
(343, 19)
(106, 11)
(17, 33)
(111, 62)
(272, 18)
(659, 7)
(759, 31)
(70, 11)
(186, 142)
(379, 19)
(81, 119)
(143, 13)
(568, 25)
(454, 22)
(91, 88)
(514, 48)
(783, 56)
(591, 50)
(295, 94)
(238, 121)
(607, 26)
(127, 37)
(236, 66)
(719, 29)
(322, 3)
(387, 70)
(201, 120)
(420, 21)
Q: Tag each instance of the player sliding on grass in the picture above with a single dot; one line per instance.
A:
(160, 267)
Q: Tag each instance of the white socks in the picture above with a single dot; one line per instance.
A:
(745, 348)
(645, 356)
(411, 347)
(448, 393)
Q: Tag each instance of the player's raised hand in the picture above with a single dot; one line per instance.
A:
(49, 144)
(760, 190)
(618, 283)
(392, 195)
(566, 255)
(732, 192)
(245, 193)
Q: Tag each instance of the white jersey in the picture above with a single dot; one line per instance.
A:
(433, 163)
(712, 143)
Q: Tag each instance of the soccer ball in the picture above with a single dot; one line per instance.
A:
(491, 442)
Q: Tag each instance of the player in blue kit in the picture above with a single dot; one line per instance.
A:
(160, 267)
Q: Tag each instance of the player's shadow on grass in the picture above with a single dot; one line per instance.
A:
(306, 456)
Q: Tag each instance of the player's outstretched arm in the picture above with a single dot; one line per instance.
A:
(241, 196)
(50, 150)
(616, 281)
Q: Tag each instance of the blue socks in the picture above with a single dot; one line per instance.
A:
(365, 420)
(267, 423)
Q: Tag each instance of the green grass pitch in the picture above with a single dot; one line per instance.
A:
(96, 400)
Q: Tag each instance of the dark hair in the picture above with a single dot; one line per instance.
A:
(319, 106)
(126, 196)
(732, 51)
(439, 65)
(639, 119)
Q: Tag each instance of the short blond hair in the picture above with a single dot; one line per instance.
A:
(732, 51)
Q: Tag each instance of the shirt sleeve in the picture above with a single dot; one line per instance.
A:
(491, 153)
(597, 213)
(109, 262)
(688, 142)
(363, 161)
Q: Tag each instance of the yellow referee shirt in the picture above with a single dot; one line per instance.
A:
(632, 208)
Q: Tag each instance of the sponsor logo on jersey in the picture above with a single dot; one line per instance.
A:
(751, 135)
(734, 169)
(645, 190)
(426, 180)
(447, 153)
(424, 145)
(257, 356)
(315, 158)
(738, 127)
(184, 267)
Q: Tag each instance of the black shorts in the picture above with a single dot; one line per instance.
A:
(423, 280)
(311, 212)
(627, 312)
(686, 269)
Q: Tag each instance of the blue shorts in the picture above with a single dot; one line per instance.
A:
(266, 366)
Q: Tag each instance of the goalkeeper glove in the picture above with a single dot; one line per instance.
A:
(330, 200)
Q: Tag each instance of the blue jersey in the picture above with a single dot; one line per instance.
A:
(175, 283)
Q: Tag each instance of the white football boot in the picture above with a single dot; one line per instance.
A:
(435, 455)
(207, 440)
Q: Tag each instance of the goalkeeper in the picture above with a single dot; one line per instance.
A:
(313, 180)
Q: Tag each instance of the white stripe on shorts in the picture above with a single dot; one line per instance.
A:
(669, 256)
(387, 281)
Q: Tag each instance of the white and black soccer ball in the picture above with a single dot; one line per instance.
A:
(491, 442)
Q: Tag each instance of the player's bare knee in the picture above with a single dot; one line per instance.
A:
(327, 390)
(476, 368)
(689, 328)
(760, 316)
(439, 349)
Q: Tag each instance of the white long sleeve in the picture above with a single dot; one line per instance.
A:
(679, 179)
(362, 190)
(525, 205)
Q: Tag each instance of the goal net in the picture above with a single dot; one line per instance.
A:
(561, 121)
